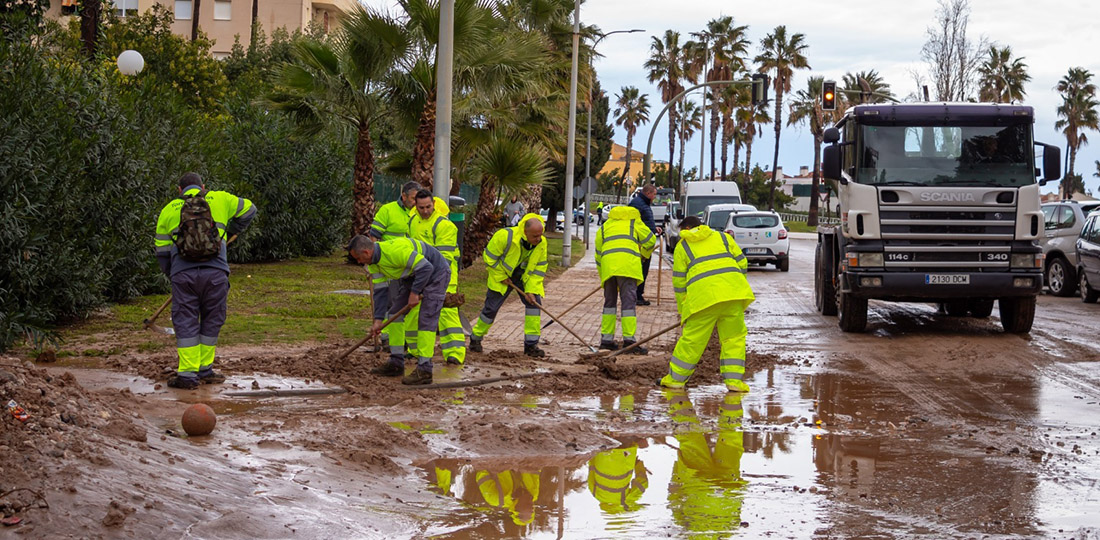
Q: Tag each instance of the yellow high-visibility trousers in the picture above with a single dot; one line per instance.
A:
(730, 319)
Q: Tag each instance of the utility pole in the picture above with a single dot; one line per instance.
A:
(570, 156)
(444, 72)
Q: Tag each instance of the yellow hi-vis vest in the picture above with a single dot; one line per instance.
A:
(439, 232)
(621, 244)
(614, 479)
(502, 256)
(708, 268)
(391, 221)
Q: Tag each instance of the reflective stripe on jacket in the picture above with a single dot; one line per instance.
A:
(621, 244)
(391, 221)
(613, 479)
(439, 232)
(708, 268)
(502, 256)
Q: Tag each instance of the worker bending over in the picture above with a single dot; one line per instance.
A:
(515, 256)
(418, 275)
(391, 221)
(622, 242)
(708, 276)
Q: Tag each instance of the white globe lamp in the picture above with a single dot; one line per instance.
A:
(130, 62)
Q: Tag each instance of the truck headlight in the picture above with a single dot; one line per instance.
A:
(1027, 260)
(869, 259)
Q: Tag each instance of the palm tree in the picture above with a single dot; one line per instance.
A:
(728, 48)
(728, 99)
(340, 83)
(753, 118)
(665, 65)
(806, 107)
(631, 111)
(781, 55)
(850, 83)
(1077, 113)
(691, 120)
(1002, 77)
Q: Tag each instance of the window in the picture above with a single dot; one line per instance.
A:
(1088, 232)
(184, 9)
(1048, 216)
(222, 10)
(755, 222)
(1065, 218)
(126, 8)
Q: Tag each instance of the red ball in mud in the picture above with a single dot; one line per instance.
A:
(199, 419)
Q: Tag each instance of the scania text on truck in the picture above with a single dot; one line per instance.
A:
(939, 203)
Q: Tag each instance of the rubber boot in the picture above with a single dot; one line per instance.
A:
(533, 350)
(475, 345)
(639, 350)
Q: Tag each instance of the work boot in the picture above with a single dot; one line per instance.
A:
(639, 350)
(452, 361)
(609, 346)
(389, 369)
(668, 382)
(183, 383)
(642, 301)
(533, 350)
(418, 376)
(475, 344)
(211, 377)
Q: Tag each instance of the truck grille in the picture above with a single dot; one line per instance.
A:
(925, 238)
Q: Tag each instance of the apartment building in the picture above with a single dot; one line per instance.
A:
(222, 20)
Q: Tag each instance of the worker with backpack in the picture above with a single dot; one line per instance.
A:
(190, 246)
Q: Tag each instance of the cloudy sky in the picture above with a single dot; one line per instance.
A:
(886, 36)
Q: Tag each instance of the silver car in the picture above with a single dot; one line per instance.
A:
(1063, 221)
(762, 238)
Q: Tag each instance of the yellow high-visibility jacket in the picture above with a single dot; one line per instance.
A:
(391, 221)
(621, 244)
(502, 255)
(708, 268)
(617, 479)
(231, 213)
(440, 232)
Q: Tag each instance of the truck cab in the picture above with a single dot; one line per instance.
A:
(939, 203)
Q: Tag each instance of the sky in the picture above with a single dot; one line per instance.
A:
(886, 36)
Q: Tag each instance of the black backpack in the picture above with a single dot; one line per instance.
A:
(198, 239)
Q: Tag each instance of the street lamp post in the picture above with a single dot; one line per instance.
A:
(570, 155)
(588, 143)
(444, 74)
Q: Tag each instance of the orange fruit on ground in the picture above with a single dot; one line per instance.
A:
(199, 419)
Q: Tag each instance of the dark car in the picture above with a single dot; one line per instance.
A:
(1088, 259)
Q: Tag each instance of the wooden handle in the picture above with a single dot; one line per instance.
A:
(646, 340)
(660, 264)
(551, 315)
(363, 341)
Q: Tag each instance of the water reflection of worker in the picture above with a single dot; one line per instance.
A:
(617, 479)
(515, 492)
(706, 490)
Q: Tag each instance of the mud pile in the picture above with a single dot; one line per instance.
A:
(66, 425)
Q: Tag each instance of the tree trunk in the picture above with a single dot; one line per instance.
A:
(680, 167)
(725, 145)
(255, 16)
(455, 185)
(626, 167)
(1069, 171)
(748, 168)
(714, 125)
(811, 219)
(362, 208)
(532, 198)
(736, 161)
(775, 158)
(90, 11)
(423, 154)
(195, 20)
(673, 118)
(482, 225)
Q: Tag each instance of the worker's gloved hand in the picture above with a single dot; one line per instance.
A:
(531, 298)
(508, 282)
(376, 328)
(414, 299)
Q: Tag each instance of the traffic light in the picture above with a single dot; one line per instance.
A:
(759, 88)
(828, 95)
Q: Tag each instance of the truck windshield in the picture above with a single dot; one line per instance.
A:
(940, 155)
(697, 204)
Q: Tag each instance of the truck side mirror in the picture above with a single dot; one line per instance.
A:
(679, 213)
(1052, 162)
(831, 135)
(830, 163)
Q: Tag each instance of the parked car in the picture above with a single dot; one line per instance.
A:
(715, 216)
(605, 210)
(672, 225)
(1088, 259)
(560, 225)
(1063, 221)
(762, 237)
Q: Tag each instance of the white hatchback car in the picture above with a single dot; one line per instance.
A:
(762, 238)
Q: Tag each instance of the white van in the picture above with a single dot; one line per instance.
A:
(699, 195)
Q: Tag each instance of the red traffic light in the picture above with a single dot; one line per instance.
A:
(828, 95)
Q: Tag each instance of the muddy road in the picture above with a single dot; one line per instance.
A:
(925, 426)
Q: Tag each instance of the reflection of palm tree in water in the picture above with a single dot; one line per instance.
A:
(706, 490)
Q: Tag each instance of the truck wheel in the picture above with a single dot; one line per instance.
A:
(1017, 314)
(784, 265)
(1088, 294)
(1060, 277)
(824, 288)
(853, 313)
(980, 309)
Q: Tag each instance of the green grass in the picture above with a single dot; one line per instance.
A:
(799, 226)
(282, 302)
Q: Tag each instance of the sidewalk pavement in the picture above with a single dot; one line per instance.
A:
(572, 285)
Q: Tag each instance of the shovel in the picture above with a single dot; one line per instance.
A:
(551, 315)
(586, 297)
(148, 323)
(604, 354)
(371, 335)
